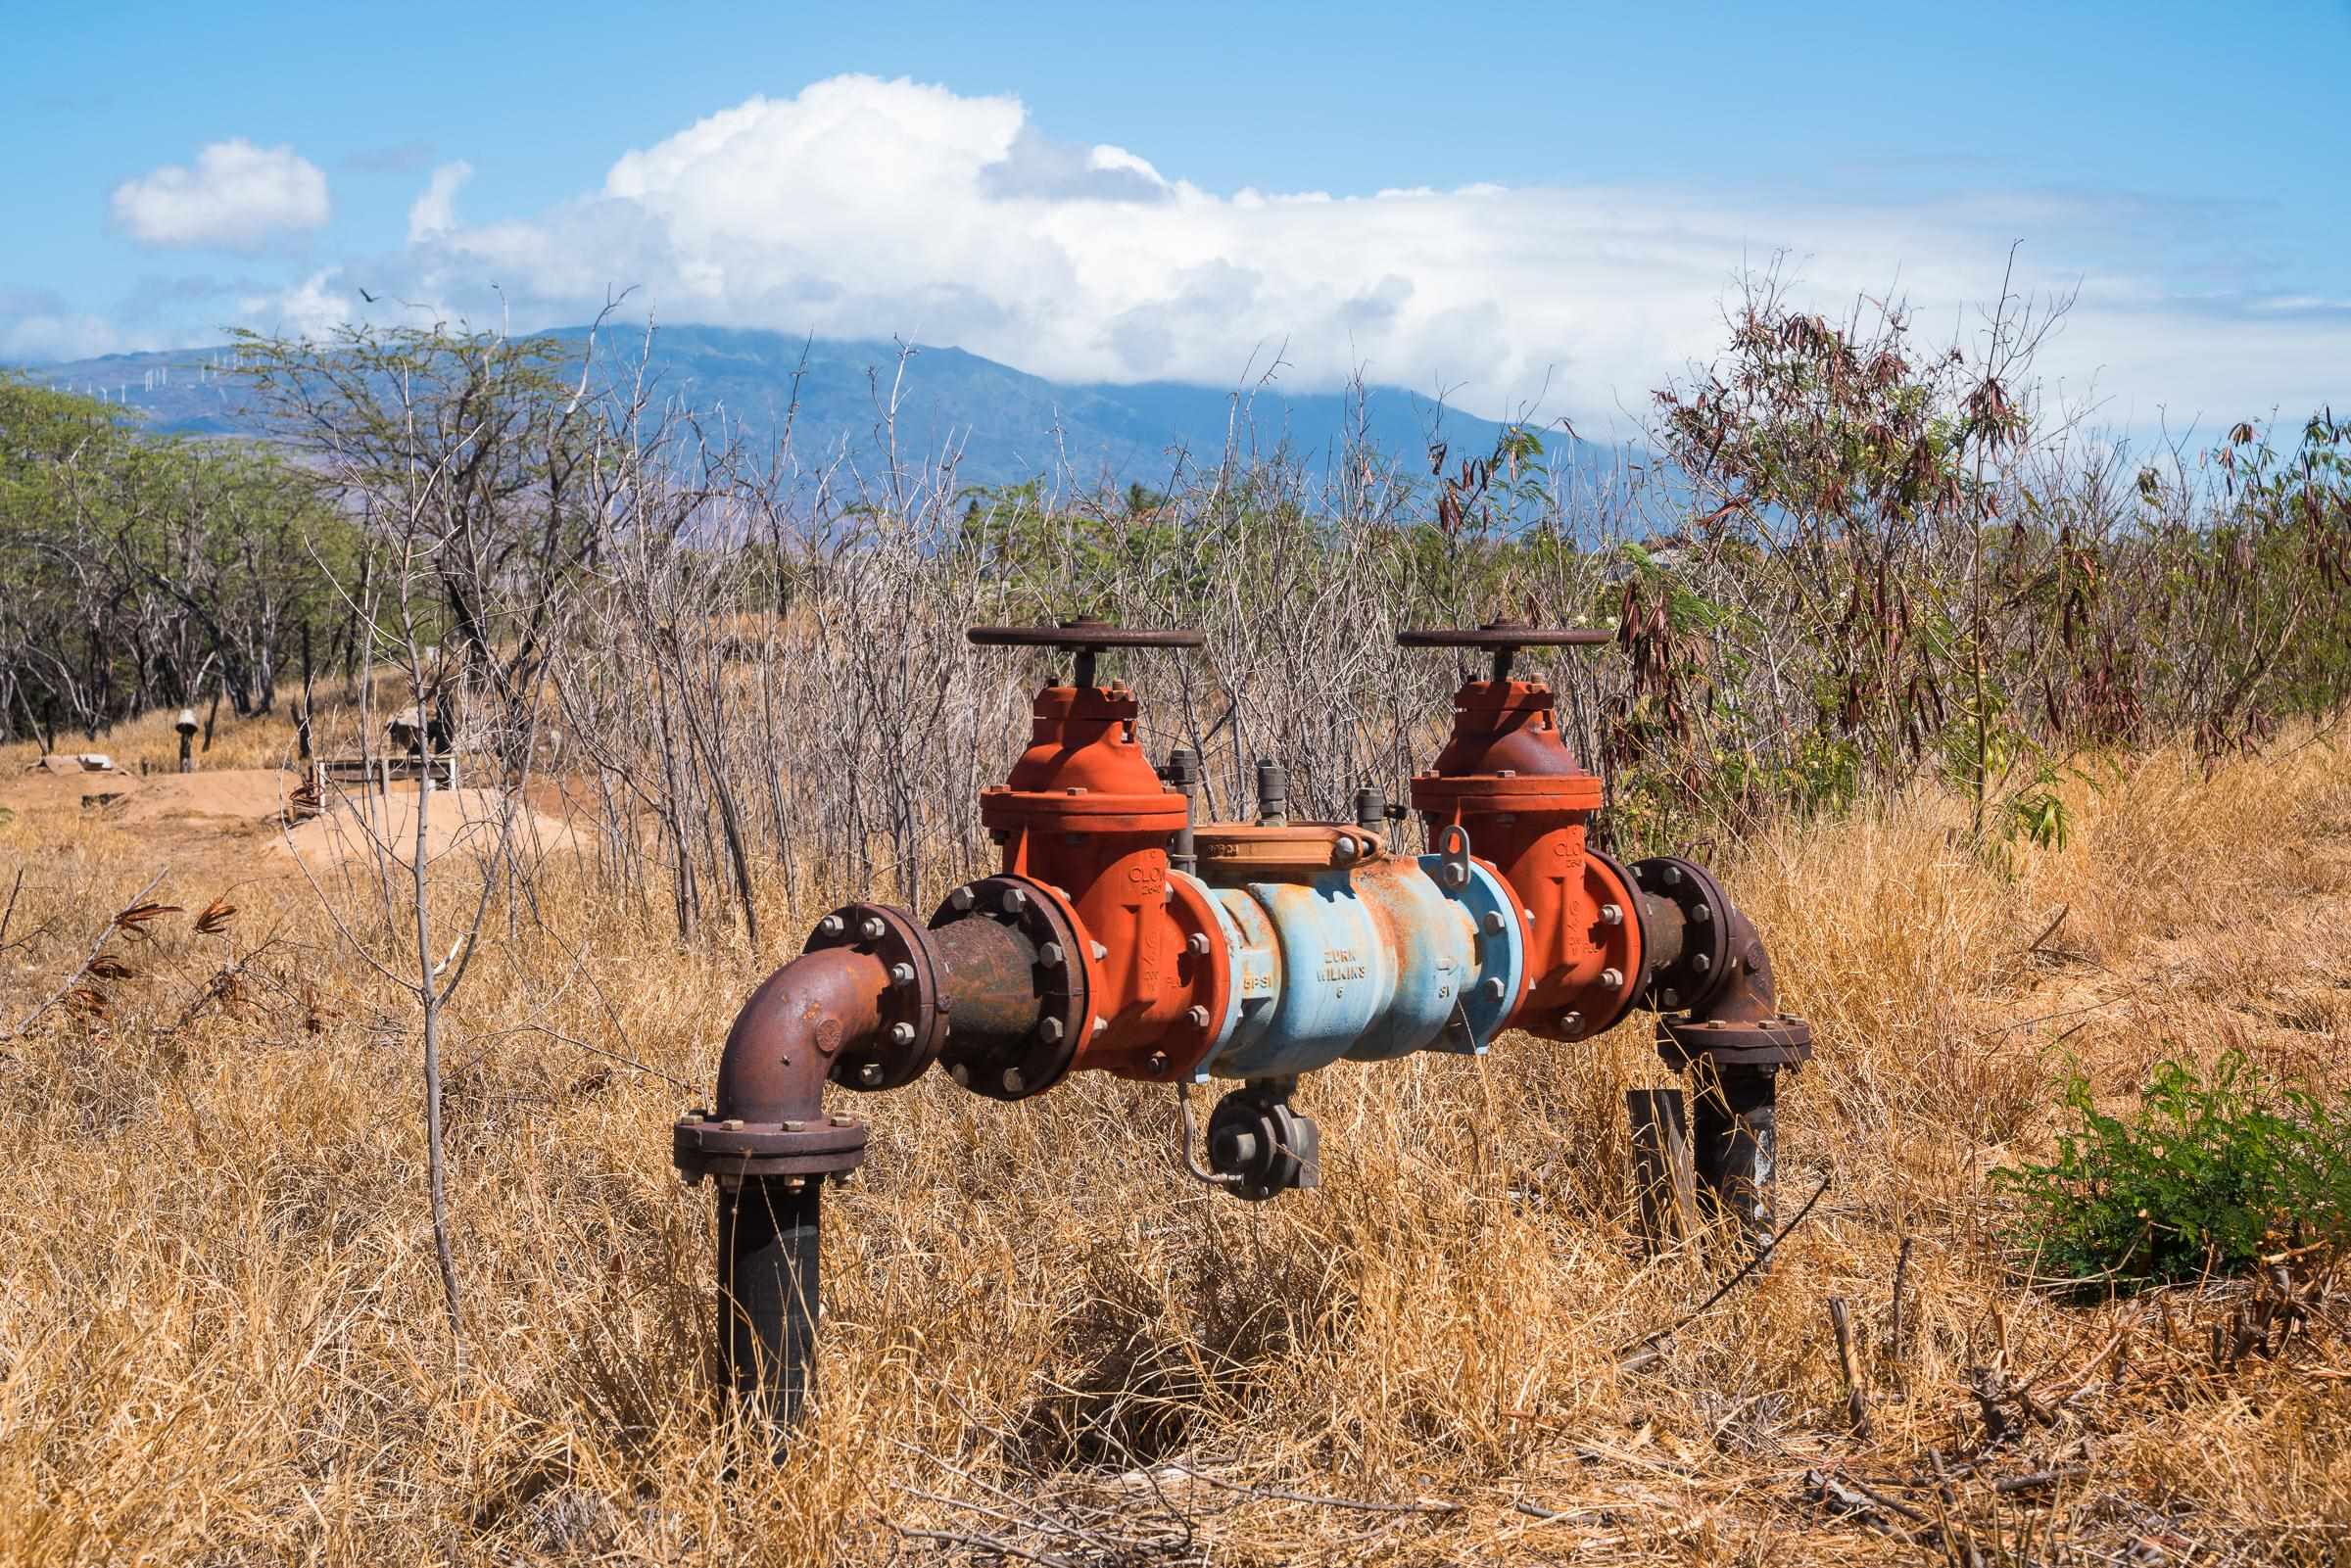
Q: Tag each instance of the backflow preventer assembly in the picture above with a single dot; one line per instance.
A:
(1122, 937)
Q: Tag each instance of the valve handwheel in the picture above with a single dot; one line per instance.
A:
(1087, 636)
(1503, 638)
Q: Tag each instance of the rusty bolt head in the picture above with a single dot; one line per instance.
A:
(1700, 963)
(1158, 1064)
(1669, 999)
(1197, 942)
(1051, 1032)
(901, 975)
(869, 1076)
(1672, 876)
(1453, 873)
(1612, 914)
(1611, 979)
(901, 1033)
(1493, 987)
(831, 926)
(872, 928)
(1050, 955)
(1572, 1024)
(839, 1120)
(695, 1119)
(1702, 914)
(731, 1124)
(1012, 1080)
(1014, 901)
(961, 1074)
(962, 898)
(1196, 1016)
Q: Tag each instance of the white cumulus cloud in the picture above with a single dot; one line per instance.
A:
(236, 198)
(435, 210)
(868, 207)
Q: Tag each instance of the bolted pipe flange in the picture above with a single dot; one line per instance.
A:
(914, 1010)
(1780, 1040)
(1015, 1066)
(1687, 979)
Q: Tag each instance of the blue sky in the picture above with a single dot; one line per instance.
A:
(1525, 205)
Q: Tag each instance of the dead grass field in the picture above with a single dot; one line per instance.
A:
(221, 1338)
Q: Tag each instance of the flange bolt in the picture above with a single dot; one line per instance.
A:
(1012, 1080)
(1492, 986)
(1197, 941)
(1196, 1016)
(1051, 1032)
(831, 925)
(871, 927)
(1050, 955)
(1700, 962)
(1612, 914)
(961, 1074)
(870, 1073)
(1014, 901)
(1702, 914)
(1611, 979)
(1492, 922)
(962, 898)
(901, 975)
(901, 1033)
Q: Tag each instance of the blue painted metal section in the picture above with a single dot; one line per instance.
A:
(1367, 963)
(1501, 952)
(1429, 937)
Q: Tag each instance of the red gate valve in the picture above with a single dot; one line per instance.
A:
(1085, 816)
(1508, 779)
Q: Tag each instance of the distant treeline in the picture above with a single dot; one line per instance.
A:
(139, 572)
(1874, 561)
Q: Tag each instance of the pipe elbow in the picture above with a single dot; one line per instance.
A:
(1711, 975)
(769, 1117)
(796, 1025)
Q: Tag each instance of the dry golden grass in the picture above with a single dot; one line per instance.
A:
(220, 1337)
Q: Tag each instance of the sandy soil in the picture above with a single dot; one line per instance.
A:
(455, 821)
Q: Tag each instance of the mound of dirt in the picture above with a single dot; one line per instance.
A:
(39, 786)
(457, 821)
(252, 794)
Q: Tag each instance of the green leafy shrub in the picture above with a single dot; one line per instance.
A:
(2208, 1173)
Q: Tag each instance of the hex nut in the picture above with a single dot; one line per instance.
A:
(1050, 955)
(1670, 876)
(831, 926)
(1572, 1024)
(1197, 942)
(1612, 914)
(1492, 921)
(1012, 1080)
(1700, 962)
(872, 928)
(1100, 952)
(962, 898)
(1014, 901)
(1158, 1062)
(869, 1074)
(901, 1033)
(1196, 1016)
(901, 974)
(1669, 998)
(1492, 986)
(961, 1074)
(1702, 914)
(1611, 979)
(1051, 1032)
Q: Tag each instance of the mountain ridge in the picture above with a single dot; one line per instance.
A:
(1006, 424)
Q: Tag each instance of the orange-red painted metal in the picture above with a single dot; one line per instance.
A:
(1509, 781)
(1084, 814)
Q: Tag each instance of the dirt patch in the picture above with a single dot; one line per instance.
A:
(456, 821)
(251, 794)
